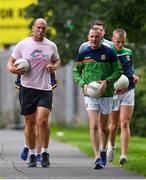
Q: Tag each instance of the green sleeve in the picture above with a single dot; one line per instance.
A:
(117, 72)
(77, 74)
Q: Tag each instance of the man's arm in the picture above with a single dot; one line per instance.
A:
(77, 73)
(57, 64)
(12, 68)
(54, 65)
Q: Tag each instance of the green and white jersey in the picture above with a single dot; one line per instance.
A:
(95, 65)
(125, 58)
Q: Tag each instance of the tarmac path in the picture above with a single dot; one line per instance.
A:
(67, 162)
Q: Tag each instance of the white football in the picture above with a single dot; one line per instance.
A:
(22, 64)
(121, 83)
(93, 89)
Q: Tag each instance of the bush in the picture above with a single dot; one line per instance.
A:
(138, 123)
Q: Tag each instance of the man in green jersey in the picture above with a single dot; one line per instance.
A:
(99, 25)
(98, 63)
(124, 100)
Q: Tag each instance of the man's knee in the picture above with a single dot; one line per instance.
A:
(93, 127)
(43, 122)
(124, 125)
(113, 127)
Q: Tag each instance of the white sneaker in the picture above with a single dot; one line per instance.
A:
(123, 159)
(110, 153)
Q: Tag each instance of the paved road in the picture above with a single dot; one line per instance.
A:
(67, 162)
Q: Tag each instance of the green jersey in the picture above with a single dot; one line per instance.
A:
(95, 65)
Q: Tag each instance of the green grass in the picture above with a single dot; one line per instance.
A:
(79, 137)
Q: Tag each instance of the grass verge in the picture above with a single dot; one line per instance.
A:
(79, 137)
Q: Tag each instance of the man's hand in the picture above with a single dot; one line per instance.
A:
(51, 68)
(54, 65)
(13, 67)
(103, 85)
(120, 91)
(16, 70)
(135, 78)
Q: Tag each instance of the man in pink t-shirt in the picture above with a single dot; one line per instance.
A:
(35, 94)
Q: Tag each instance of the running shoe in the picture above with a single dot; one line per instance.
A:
(97, 163)
(32, 161)
(24, 154)
(102, 162)
(38, 158)
(123, 159)
(110, 153)
(103, 159)
(45, 159)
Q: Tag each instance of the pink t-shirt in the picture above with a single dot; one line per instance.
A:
(39, 55)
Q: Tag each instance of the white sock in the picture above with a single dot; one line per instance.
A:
(44, 150)
(26, 145)
(32, 151)
(103, 150)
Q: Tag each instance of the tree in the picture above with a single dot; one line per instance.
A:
(138, 124)
(72, 18)
(130, 15)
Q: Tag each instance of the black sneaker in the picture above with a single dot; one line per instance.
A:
(123, 160)
(32, 161)
(45, 159)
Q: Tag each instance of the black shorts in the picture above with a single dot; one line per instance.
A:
(30, 99)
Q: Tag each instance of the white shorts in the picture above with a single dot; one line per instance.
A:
(127, 99)
(102, 104)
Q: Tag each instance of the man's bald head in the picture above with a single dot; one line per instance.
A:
(39, 29)
(40, 20)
